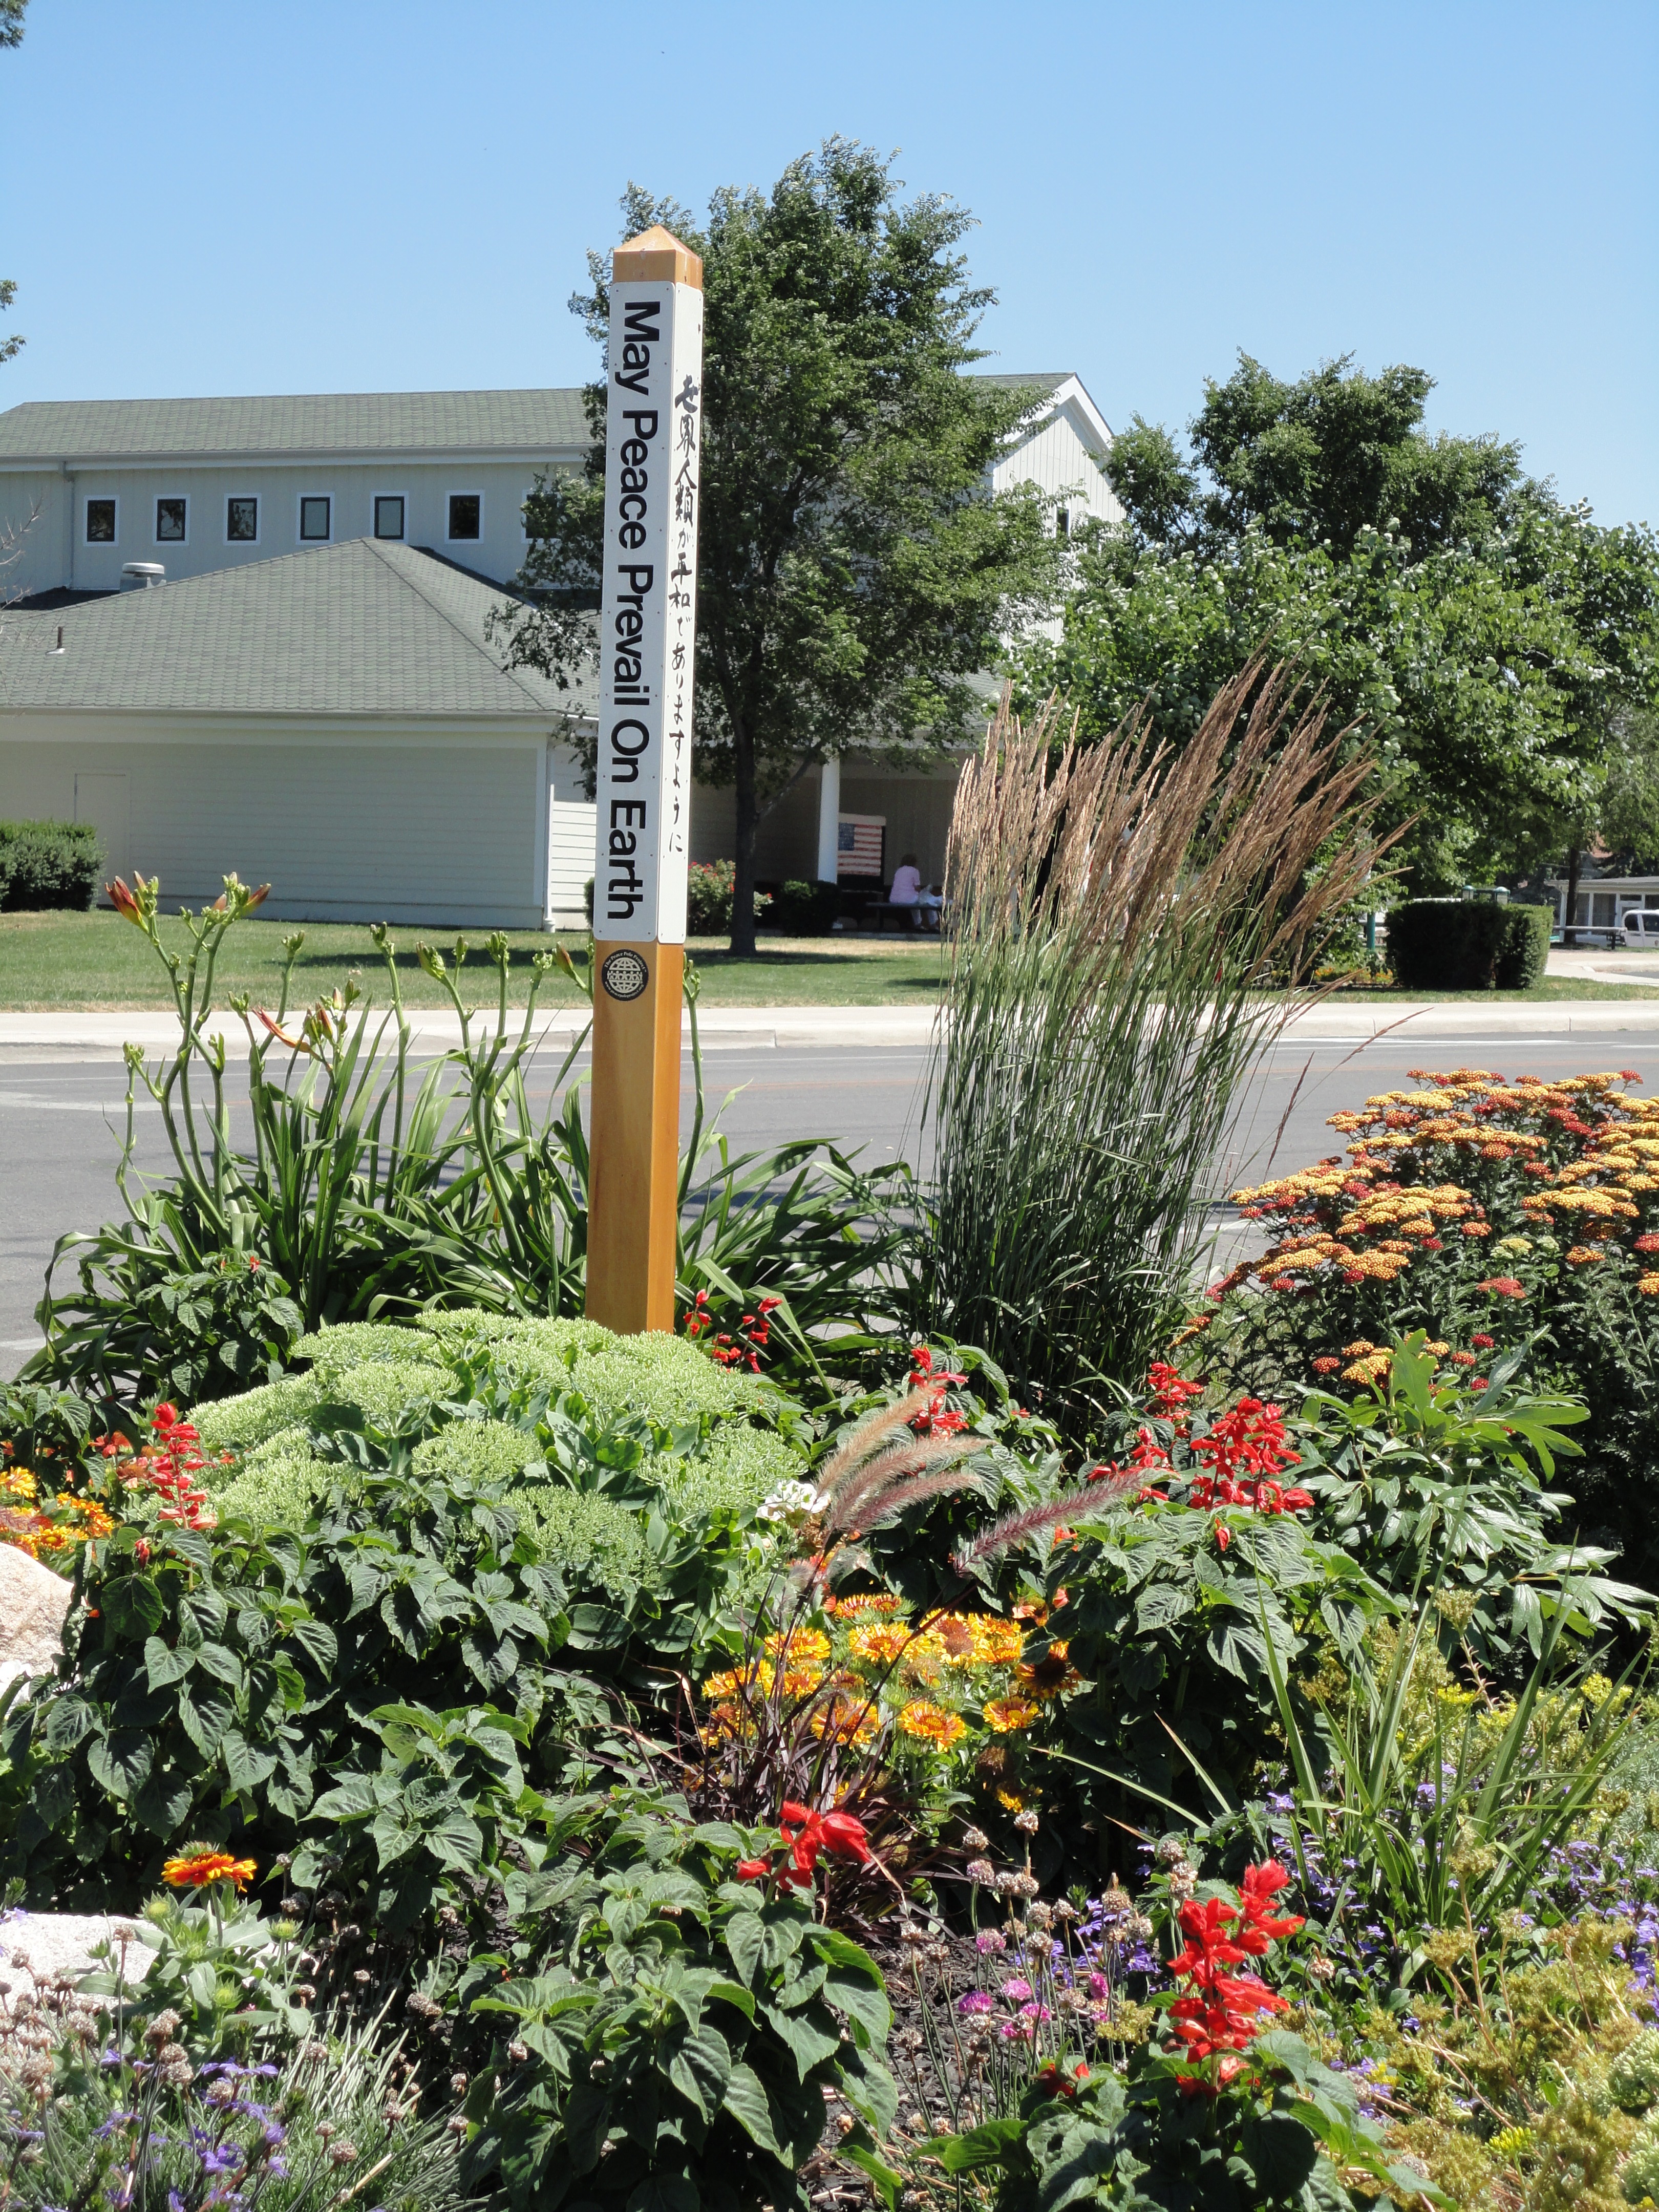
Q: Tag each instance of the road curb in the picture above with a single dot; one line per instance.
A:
(733, 1027)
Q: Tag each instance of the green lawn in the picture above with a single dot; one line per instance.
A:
(98, 960)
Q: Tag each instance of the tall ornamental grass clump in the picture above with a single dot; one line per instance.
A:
(1113, 912)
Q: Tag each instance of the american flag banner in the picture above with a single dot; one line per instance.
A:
(861, 846)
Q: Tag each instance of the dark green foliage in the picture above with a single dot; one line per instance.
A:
(1434, 1488)
(1174, 1630)
(36, 1417)
(1525, 955)
(48, 864)
(1468, 944)
(1314, 463)
(803, 909)
(1491, 642)
(668, 2034)
(1286, 2135)
(1447, 945)
(396, 1649)
(191, 1333)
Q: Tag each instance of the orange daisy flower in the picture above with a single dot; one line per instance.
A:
(198, 1867)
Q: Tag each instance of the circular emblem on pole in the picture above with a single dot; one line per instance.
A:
(624, 975)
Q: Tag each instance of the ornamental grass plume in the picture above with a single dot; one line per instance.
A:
(1113, 912)
(862, 1485)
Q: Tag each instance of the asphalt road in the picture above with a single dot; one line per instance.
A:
(61, 1119)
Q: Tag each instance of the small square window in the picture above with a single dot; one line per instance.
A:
(313, 519)
(100, 522)
(170, 521)
(389, 517)
(241, 521)
(465, 514)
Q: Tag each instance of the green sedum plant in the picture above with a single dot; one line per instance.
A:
(672, 2033)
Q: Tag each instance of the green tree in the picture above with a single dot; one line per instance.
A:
(1314, 463)
(1482, 638)
(11, 34)
(855, 573)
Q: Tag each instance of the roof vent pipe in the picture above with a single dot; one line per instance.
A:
(142, 575)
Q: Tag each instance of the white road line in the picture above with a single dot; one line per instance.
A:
(28, 1098)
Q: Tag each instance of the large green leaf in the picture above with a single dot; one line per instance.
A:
(131, 1606)
(700, 2066)
(162, 1666)
(988, 2144)
(809, 2043)
(121, 1761)
(746, 2099)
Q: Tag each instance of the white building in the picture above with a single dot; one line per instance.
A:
(314, 698)
(201, 485)
(333, 722)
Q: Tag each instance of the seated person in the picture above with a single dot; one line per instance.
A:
(907, 890)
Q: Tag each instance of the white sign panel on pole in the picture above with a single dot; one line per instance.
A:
(648, 615)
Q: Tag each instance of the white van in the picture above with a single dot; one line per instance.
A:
(1642, 928)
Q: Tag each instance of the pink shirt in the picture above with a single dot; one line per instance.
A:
(907, 887)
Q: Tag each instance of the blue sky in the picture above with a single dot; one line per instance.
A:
(231, 196)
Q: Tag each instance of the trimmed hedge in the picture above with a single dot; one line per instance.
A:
(1467, 945)
(801, 909)
(1524, 958)
(49, 864)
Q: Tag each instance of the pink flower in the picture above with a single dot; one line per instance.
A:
(1017, 1989)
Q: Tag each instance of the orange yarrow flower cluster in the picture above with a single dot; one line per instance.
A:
(1420, 1167)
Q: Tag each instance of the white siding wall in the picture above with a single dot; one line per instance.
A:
(570, 856)
(55, 549)
(408, 825)
(1055, 459)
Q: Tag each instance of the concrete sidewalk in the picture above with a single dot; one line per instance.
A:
(435, 1031)
(1339, 1020)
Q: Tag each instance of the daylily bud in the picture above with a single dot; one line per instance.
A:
(294, 1044)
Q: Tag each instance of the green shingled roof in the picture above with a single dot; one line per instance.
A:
(361, 627)
(483, 423)
(1038, 380)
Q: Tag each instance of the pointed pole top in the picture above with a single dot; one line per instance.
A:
(656, 256)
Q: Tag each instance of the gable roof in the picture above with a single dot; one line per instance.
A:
(535, 422)
(1039, 379)
(361, 627)
(1066, 394)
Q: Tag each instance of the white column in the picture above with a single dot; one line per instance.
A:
(829, 821)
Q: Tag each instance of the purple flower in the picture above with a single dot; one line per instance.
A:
(989, 1939)
(976, 2001)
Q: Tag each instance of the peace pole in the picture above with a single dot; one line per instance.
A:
(647, 633)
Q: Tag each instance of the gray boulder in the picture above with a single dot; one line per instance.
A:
(33, 1603)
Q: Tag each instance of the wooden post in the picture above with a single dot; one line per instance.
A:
(648, 637)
